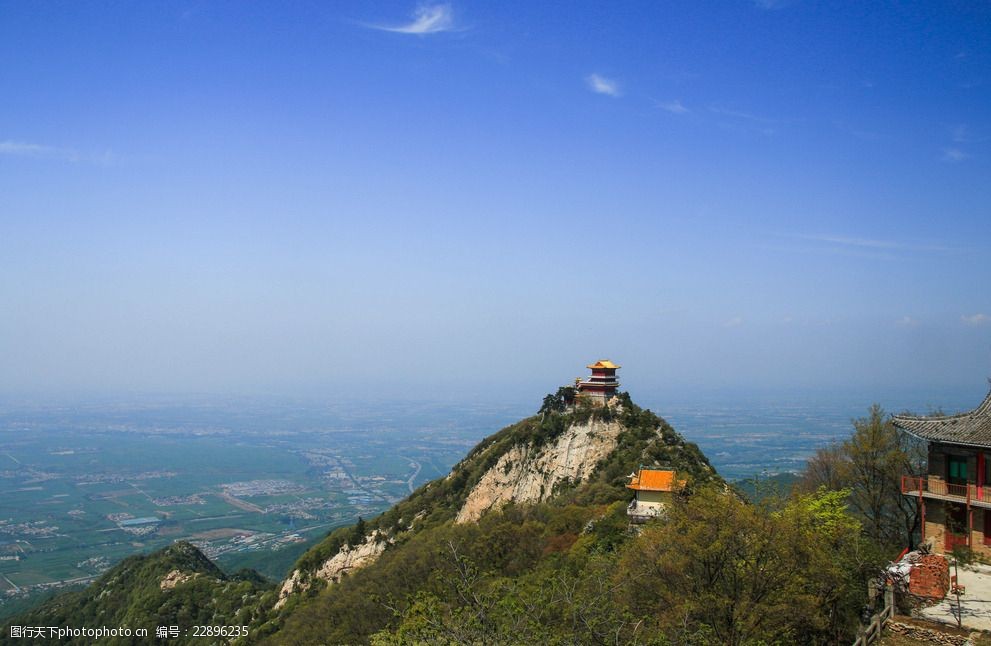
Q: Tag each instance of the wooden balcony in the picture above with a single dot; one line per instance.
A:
(934, 487)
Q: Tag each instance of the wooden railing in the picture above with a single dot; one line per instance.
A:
(872, 632)
(939, 487)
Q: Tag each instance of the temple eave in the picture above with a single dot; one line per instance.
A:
(972, 428)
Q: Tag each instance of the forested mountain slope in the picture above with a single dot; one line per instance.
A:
(551, 556)
(521, 495)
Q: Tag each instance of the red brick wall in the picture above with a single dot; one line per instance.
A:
(930, 577)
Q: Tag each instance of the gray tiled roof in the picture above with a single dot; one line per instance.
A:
(972, 428)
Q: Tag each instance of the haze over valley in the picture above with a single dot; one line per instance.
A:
(253, 483)
(291, 292)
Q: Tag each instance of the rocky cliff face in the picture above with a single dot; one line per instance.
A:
(348, 559)
(524, 470)
(574, 462)
(529, 473)
(571, 458)
(556, 453)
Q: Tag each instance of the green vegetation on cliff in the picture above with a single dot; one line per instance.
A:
(646, 439)
(570, 569)
(176, 586)
(510, 542)
(718, 571)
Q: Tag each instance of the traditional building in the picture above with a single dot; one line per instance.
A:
(954, 497)
(602, 385)
(654, 489)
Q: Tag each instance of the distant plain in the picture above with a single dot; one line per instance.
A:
(253, 484)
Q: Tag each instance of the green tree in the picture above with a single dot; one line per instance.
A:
(828, 468)
(742, 574)
(357, 535)
(559, 401)
(714, 565)
(870, 464)
(837, 560)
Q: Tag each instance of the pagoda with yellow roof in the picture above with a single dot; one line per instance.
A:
(602, 385)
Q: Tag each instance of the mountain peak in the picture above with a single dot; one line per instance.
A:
(575, 448)
(554, 480)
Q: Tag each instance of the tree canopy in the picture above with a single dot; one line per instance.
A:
(870, 464)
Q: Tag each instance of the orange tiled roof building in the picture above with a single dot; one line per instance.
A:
(654, 489)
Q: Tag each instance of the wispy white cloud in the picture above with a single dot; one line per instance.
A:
(427, 19)
(26, 149)
(976, 319)
(954, 155)
(747, 116)
(961, 134)
(907, 321)
(868, 243)
(674, 107)
(736, 321)
(854, 247)
(602, 85)
(40, 151)
(745, 122)
(852, 242)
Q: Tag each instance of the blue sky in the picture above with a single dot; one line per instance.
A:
(476, 199)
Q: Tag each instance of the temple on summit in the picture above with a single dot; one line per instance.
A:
(602, 385)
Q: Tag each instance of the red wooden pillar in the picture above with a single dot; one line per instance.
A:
(970, 517)
(922, 506)
(980, 476)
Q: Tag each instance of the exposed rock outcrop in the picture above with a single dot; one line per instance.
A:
(527, 474)
(534, 460)
(174, 578)
(338, 566)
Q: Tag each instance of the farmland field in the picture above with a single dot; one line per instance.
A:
(253, 484)
(82, 488)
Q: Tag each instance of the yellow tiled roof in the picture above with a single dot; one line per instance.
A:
(603, 363)
(655, 480)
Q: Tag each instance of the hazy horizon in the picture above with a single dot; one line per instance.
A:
(509, 406)
(465, 200)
